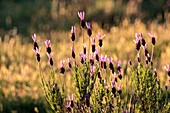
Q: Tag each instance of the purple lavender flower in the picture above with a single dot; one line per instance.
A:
(99, 75)
(167, 68)
(153, 38)
(93, 44)
(110, 60)
(100, 39)
(137, 42)
(103, 61)
(130, 62)
(34, 37)
(96, 54)
(73, 53)
(142, 39)
(113, 88)
(81, 16)
(91, 56)
(50, 59)
(84, 49)
(62, 69)
(68, 107)
(38, 54)
(73, 29)
(119, 69)
(47, 43)
(89, 31)
(71, 100)
(69, 62)
(82, 58)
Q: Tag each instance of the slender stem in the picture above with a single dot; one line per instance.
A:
(89, 47)
(83, 35)
(152, 52)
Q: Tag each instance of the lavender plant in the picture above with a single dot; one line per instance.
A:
(98, 82)
(147, 95)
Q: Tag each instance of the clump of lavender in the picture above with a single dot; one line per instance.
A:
(95, 89)
(146, 92)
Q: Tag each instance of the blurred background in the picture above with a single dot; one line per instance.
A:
(52, 19)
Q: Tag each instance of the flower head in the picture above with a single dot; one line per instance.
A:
(50, 59)
(137, 42)
(89, 31)
(62, 69)
(81, 16)
(47, 43)
(73, 29)
(34, 37)
(38, 54)
(100, 39)
(93, 44)
(71, 100)
(69, 62)
(103, 61)
(73, 53)
(153, 38)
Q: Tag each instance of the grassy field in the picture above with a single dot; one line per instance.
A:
(20, 89)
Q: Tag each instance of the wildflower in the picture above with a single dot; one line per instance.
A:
(142, 39)
(93, 44)
(100, 39)
(34, 37)
(84, 49)
(91, 59)
(81, 16)
(113, 88)
(69, 63)
(47, 43)
(62, 69)
(89, 31)
(38, 54)
(73, 29)
(50, 59)
(153, 38)
(115, 78)
(119, 69)
(110, 60)
(167, 69)
(73, 53)
(99, 75)
(119, 89)
(96, 53)
(103, 61)
(137, 42)
(71, 100)
(68, 104)
(82, 57)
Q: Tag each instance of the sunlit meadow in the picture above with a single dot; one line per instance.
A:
(20, 74)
